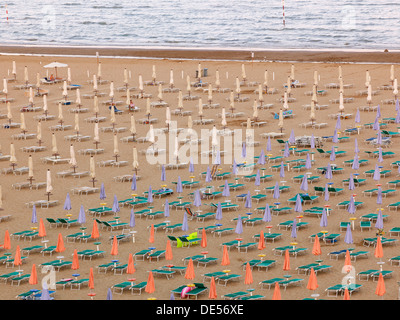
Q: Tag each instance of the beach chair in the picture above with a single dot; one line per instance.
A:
(103, 268)
(31, 249)
(206, 261)
(365, 225)
(246, 246)
(265, 264)
(216, 275)
(48, 250)
(394, 231)
(9, 276)
(222, 231)
(227, 278)
(64, 282)
(17, 280)
(292, 251)
(77, 284)
(339, 253)
(198, 290)
(142, 255)
(167, 273)
(340, 289)
(290, 282)
(120, 287)
(173, 227)
(67, 222)
(355, 255)
(120, 268)
(156, 255)
(137, 288)
(270, 282)
(235, 295)
(394, 206)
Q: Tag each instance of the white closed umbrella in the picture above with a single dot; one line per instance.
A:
(238, 90)
(96, 137)
(217, 79)
(60, 113)
(232, 101)
(214, 138)
(49, 187)
(5, 87)
(367, 79)
(255, 110)
(72, 160)
(126, 77)
(171, 78)
(141, 84)
(133, 125)
(341, 88)
(14, 69)
(190, 125)
(39, 132)
(92, 168)
(223, 116)
(260, 94)
(188, 85)
(38, 82)
(292, 72)
(180, 100)
(128, 97)
(99, 71)
(312, 112)
(341, 102)
(154, 74)
(176, 149)
(112, 115)
(160, 93)
(9, 113)
(266, 81)
(116, 148)
(200, 108)
(285, 101)
(199, 71)
(369, 95)
(111, 90)
(151, 135)
(280, 120)
(65, 90)
(13, 158)
(31, 95)
(288, 86)
(148, 112)
(78, 97)
(210, 94)
(135, 162)
(395, 88)
(45, 106)
(69, 78)
(95, 86)
(340, 72)
(167, 117)
(26, 76)
(23, 124)
(54, 148)
(30, 168)
(244, 76)
(316, 78)
(314, 94)
(76, 123)
(96, 105)
(392, 73)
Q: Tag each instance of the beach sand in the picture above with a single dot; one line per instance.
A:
(112, 69)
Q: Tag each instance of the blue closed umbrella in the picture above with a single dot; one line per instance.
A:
(312, 143)
(45, 293)
(324, 219)
(197, 198)
(357, 119)
(208, 175)
(380, 157)
(348, 238)
(226, 192)
(257, 180)
(244, 150)
(286, 151)
(308, 164)
(269, 147)
(338, 123)
(293, 234)
(179, 187)
(132, 221)
(356, 149)
(277, 192)
(378, 111)
(332, 157)
(102, 192)
(185, 226)
(115, 207)
(304, 183)
(150, 195)
(335, 138)
(109, 294)
(67, 203)
(239, 225)
(351, 182)
(82, 216)
(326, 192)
(351, 208)
(356, 164)
(166, 208)
(328, 173)
(234, 167)
(379, 196)
(218, 158)
(267, 214)
(247, 203)
(34, 216)
(292, 137)
(298, 205)
(191, 165)
(218, 214)
(133, 185)
(376, 125)
(163, 174)
(261, 158)
(282, 170)
(379, 220)
(377, 173)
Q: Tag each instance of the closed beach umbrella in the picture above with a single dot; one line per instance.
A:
(60, 244)
(324, 219)
(132, 221)
(168, 251)
(95, 231)
(286, 262)
(151, 238)
(377, 173)
(54, 148)
(379, 220)
(7, 240)
(348, 238)
(91, 279)
(269, 146)
(341, 102)
(267, 214)
(328, 173)
(225, 256)
(292, 137)
(218, 214)
(261, 158)
(82, 216)
(248, 203)
(261, 241)
(185, 226)
(293, 233)
(378, 253)
(308, 163)
(150, 195)
(75, 260)
(298, 205)
(203, 242)
(312, 281)
(34, 216)
(226, 191)
(33, 276)
(189, 274)
(380, 287)
(248, 275)
(150, 287)
(67, 203)
(351, 208)
(304, 183)
(13, 158)
(282, 170)
(17, 257)
(166, 208)
(197, 198)
(351, 182)
(316, 250)
(379, 196)
(239, 225)
(30, 167)
(42, 228)
(49, 187)
(280, 119)
(332, 157)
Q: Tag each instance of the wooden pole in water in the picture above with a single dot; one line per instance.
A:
(283, 11)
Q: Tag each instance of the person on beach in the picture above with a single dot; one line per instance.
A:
(51, 77)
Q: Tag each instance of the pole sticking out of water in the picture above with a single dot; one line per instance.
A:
(7, 13)
(283, 12)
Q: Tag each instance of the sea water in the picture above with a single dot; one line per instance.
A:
(268, 24)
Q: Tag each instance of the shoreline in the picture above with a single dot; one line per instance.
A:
(274, 55)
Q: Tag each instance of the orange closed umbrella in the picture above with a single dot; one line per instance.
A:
(225, 257)
(42, 229)
(378, 250)
(7, 241)
(380, 287)
(347, 262)
(190, 270)
(346, 294)
(114, 248)
(151, 239)
(91, 279)
(312, 281)
(95, 231)
(60, 244)
(75, 261)
(261, 241)
(213, 290)
(248, 279)
(277, 292)
(168, 251)
(17, 258)
(203, 239)
(286, 262)
(150, 288)
(131, 265)
(33, 277)
(316, 251)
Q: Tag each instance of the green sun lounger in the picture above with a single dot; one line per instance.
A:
(120, 287)
(235, 295)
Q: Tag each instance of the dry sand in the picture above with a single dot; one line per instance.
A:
(14, 201)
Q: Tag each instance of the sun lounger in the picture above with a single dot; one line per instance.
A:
(235, 295)
(340, 289)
